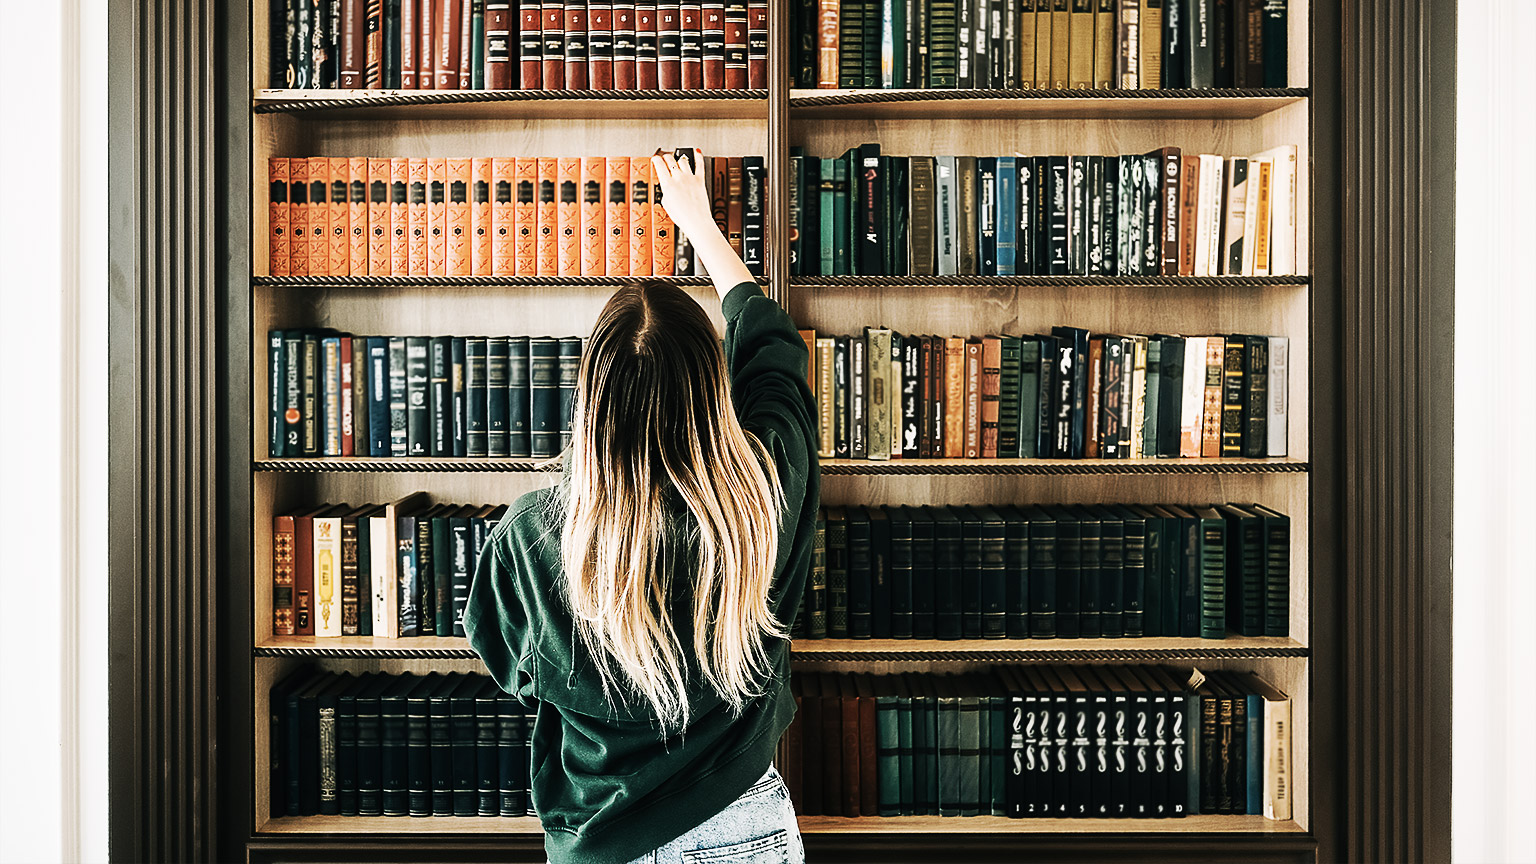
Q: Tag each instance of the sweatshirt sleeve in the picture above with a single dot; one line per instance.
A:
(496, 623)
(767, 360)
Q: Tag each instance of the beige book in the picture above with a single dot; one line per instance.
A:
(1061, 43)
(384, 564)
(1192, 407)
(1277, 748)
(1151, 45)
(1080, 55)
(1282, 210)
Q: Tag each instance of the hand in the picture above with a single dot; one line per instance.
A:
(683, 196)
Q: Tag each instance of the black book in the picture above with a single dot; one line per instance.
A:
(837, 573)
(806, 43)
(304, 746)
(1073, 339)
(440, 394)
(1058, 208)
(498, 361)
(901, 571)
(1045, 397)
(811, 216)
(1027, 190)
(427, 551)
(840, 397)
(1110, 369)
(1090, 579)
(1245, 570)
(476, 411)
(462, 732)
(1176, 47)
(1015, 571)
(284, 741)
(519, 397)
(1042, 572)
(871, 212)
(1255, 397)
(923, 573)
(393, 771)
(986, 227)
(346, 745)
(858, 402)
(329, 706)
(487, 748)
(1081, 768)
(1135, 609)
(569, 370)
(459, 570)
(1069, 582)
(1151, 220)
(1101, 784)
(1275, 34)
(418, 745)
(1186, 553)
(511, 757)
(898, 200)
(970, 572)
(440, 748)
(418, 382)
(1180, 739)
(948, 573)
(860, 575)
(1078, 223)
(1170, 399)
(1058, 742)
(544, 395)
(1119, 734)
(993, 574)
(911, 395)
(1094, 210)
(309, 395)
(1277, 570)
(1109, 225)
(881, 589)
(1111, 572)
(277, 403)
(369, 745)
(754, 186)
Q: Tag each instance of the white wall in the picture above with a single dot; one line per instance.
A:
(1494, 764)
(53, 384)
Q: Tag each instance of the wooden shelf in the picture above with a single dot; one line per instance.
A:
(363, 282)
(970, 650)
(826, 282)
(938, 467)
(384, 826)
(1061, 104)
(511, 104)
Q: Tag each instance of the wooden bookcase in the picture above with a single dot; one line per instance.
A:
(336, 123)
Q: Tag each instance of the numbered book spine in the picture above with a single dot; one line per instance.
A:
(544, 395)
(712, 36)
(647, 45)
(735, 18)
(624, 52)
(552, 25)
(530, 45)
(600, 43)
(754, 185)
(680, 66)
(446, 26)
(757, 44)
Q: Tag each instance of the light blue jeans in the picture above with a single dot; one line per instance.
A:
(757, 828)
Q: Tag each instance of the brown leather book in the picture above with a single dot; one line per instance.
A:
(354, 43)
(304, 572)
(954, 397)
(869, 739)
(991, 393)
(827, 43)
(499, 46)
(924, 396)
(735, 44)
(552, 26)
(735, 202)
(445, 28)
(600, 43)
(852, 775)
(712, 32)
(373, 38)
(282, 576)
(690, 26)
(757, 44)
(576, 45)
(647, 46)
(792, 758)
(278, 221)
(465, 35)
(426, 43)
(624, 45)
(1189, 200)
(811, 802)
(594, 234)
(530, 45)
(831, 745)
(973, 398)
(1091, 442)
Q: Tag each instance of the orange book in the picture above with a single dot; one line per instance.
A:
(379, 224)
(278, 223)
(399, 217)
(357, 216)
(319, 216)
(568, 217)
(991, 394)
(1091, 420)
(735, 197)
(525, 217)
(594, 234)
(298, 217)
(1210, 429)
(503, 259)
(973, 398)
(416, 217)
(954, 397)
(810, 364)
(437, 217)
(480, 217)
(547, 216)
(663, 235)
(460, 222)
(719, 177)
(640, 181)
(341, 241)
(617, 216)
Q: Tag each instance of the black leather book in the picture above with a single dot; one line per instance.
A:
(1187, 555)
(326, 702)
(1111, 572)
(901, 571)
(457, 401)
(841, 394)
(369, 744)
(1090, 575)
(427, 550)
(1078, 222)
(459, 570)
(871, 210)
(882, 600)
(544, 395)
(1150, 577)
(519, 399)
(812, 620)
(476, 413)
(1101, 766)
(441, 608)
(1042, 572)
(837, 573)
(283, 737)
(754, 211)
(1255, 397)
(923, 576)
(1245, 570)
(1027, 190)
(346, 745)
(418, 745)
(394, 774)
(304, 746)
(1015, 572)
(569, 369)
(498, 361)
(860, 575)
(992, 574)
(1069, 581)
(858, 401)
(440, 744)
(487, 747)
(1133, 582)
(1152, 212)
(1082, 796)
(462, 732)
(1233, 406)
(1059, 742)
(418, 384)
(987, 213)
(948, 573)
(1075, 340)
(898, 197)
(440, 395)
(970, 572)
(911, 394)
(1170, 399)
(310, 395)
(1180, 739)
(1277, 570)
(511, 757)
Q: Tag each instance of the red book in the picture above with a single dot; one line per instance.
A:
(498, 46)
(465, 33)
(446, 56)
(712, 33)
(346, 396)
(426, 45)
(669, 45)
(691, 17)
(757, 44)
(600, 43)
(410, 12)
(530, 45)
(624, 45)
(735, 201)
(575, 44)
(304, 573)
(646, 46)
(353, 43)
(553, 29)
(735, 45)
(373, 37)
(282, 576)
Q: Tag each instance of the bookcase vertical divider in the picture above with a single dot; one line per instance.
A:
(778, 152)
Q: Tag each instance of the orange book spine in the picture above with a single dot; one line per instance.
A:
(568, 215)
(548, 216)
(298, 217)
(278, 223)
(617, 217)
(437, 217)
(399, 217)
(460, 227)
(341, 240)
(357, 216)
(640, 182)
(416, 218)
(379, 224)
(503, 223)
(480, 216)
(735, 197)
(282, 576)
(954, 397)
(594, 235)
(525, 217)
(319, 216)
(1210, 429)
(972, 399)
(663, 239)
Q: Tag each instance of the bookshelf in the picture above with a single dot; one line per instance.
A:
(768, 122)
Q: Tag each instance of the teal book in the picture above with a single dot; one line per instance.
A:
(888, 745)
(824, 173)
(1029, 397)
(1277, 571)
(905, 743)
(951, 800)
(1245, 570)
(1213, 567)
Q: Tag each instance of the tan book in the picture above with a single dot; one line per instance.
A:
(1080, 57)
(1259, 212)
(327, 552)
(357, 216)
(616, 215)
(1128, 45)
(1061, 44)
(1189, 206)
(1138, 397)
(1277, 748)
(1104, 47)
(594, 234)
(457, 261)
(1027, 42)
(1210, 425)
(1150, 75)
(1044, 32)
(877, 346)
(437, 217)
(504, 208)
(954, 397)
(416, 217)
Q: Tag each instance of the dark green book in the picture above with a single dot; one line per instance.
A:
(1153, 390)
(1152, 591)
(992, 574)
(1111, 572)
(498, 368)
(812, 620)
(457, 397)
(369, 745)
(1169, 409)
(519, 397)
(970, 571)
(923, 575)
(1277, 570)
(837, 573)
(1015, 572)
(901, 572)
(1029, 378)
(511, 756)
(466, 786)
(952, 796)
(1090, 562)
(882, 600)
(1245, 570)
(887, 745)
(440, 395)
(487, 764)
(394, 771)
(569, 370)
(924, 755)
(898, 206)
(850, 44)
(1042, 572)
(841, 203)
(418, 384)
(440, 747)
(871, 55)
(975, 742)
(861, 586)
(284, 741)
(418, 745)
(476, 413)
(947, 566)
(442, 573)
(544, 395)
(825, 188)
(905, 743)
(1135, 609)
(1185, 570)
(1069, 581)
(459, 570)
(1213, 567)
(943, 44)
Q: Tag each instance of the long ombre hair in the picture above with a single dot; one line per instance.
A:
(654, 427)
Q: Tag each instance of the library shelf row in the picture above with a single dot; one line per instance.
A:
(935, 467)
(794, 281)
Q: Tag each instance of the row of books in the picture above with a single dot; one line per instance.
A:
(389, 570)
(1040, 741)
(1163, 213)
(497, 216)
(335, 394)
(529, 45)
(395, 745)
(1069, 394)
(1044, 44)
(1047, 572)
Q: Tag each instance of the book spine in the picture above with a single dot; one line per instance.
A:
(544, 385)
(624, 48)
(680, 46)
(568, 371)
(568, 217)
(480, 232)
(504, 213)
(600, 46)
(471, 42)
(712, 45)
(735, 44)
(399, 398)
(754, 180)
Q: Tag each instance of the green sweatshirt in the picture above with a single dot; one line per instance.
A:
(607, 786)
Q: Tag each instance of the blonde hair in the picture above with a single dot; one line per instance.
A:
(654, 426)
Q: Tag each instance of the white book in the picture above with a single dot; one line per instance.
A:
(384, 564)
(327, 552)
(1279, 395)
(1234, 210)
(1211, 215)
(1277, 748)
(1282, 210)
(948, 215)
(1192, 411)
(1202, 221)
(1139, 397)
(1257, 175)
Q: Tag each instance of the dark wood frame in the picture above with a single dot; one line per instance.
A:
(1383, 100)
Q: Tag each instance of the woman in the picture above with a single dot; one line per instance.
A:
(642, 605)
